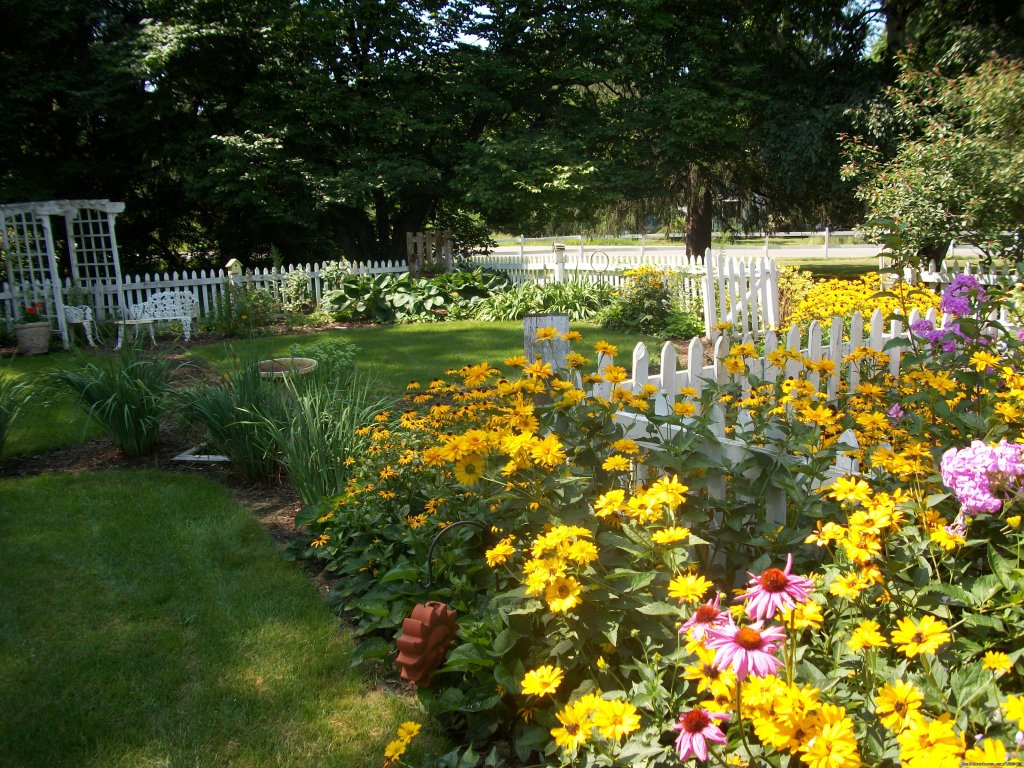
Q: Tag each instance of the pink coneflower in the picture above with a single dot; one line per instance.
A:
(775, 590)
(747, 649)
(696, 728)
(708, 616)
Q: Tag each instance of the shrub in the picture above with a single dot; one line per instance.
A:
(242, 311)
(126, 396)
(824, 299)
(649, 304)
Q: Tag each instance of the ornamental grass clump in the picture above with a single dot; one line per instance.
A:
(13, 395)
(126, 395)
(637, 597)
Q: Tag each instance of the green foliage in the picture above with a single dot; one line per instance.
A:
(13, 395)
(401, 298)
(241, 417)
(323, 432)
(579, 299)
(957, 168)
(649, 304)
(242, 311)
(125, 395)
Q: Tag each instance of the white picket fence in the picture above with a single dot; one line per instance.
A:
(699, 376)
(208, 286)
(939, 275)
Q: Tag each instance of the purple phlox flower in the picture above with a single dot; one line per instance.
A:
(1019, 739)
(945, 337)
(707, 616)
(775, 590)
(981, 474)
(696, 728)
(956, 299)
(895, 412)
(748, 650)
(1020, 335)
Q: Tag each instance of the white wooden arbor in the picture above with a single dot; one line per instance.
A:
(33, 266)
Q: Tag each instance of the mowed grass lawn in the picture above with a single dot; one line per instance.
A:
(147, 620)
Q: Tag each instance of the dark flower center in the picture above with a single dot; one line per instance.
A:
(900, 707)
(706, 614)
(918, 638)
(710, 672)
(695, 721)
(748, 639)
(572, 729)
(773, 580)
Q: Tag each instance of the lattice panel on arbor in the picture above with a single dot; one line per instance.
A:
(95, 264)
(31, 265)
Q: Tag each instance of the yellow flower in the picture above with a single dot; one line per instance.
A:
(575, 728)
(866, 635)
(320, 541)
(848, 586)
(615, 463)
(896, 705)
(572, 336)
(932, 742)
(615, 718)
(850, 489)
(547, 334)
(670, 535)
(1013, 522)
(990, 752)
(393, 751)
(805, 615)
(470, 469)
(835, 744)
(408, 730)
(1013, 708)
(913, 639)
(548, 452)
(500, 552)
(542, 681)
(563, 594)
(689, 588)
(984, 360)
(997, 661)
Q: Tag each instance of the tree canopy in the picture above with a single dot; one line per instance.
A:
(328, 128)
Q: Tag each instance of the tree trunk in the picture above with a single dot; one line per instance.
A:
(698, 215)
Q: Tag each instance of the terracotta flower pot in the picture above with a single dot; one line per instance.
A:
(33, 338)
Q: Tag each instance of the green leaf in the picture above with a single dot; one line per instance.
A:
(658, 609)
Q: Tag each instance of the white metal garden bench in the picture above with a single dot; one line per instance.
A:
(161, 307)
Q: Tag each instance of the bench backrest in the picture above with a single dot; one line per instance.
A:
(166, 305)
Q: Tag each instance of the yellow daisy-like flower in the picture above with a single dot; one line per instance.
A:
(806, 615)
(850, 489)
(604, 348)
(670, 535)
(689, 588)
(615, 463)
(615, 718)
(542, 681)
(988, 752)
(896, 705)
(997, 661)
(1013, 708)
(572, 336)
(913, 639)
(563, 594)
(931, 742)
(547, 334)
(866, 635)
(575, 728)
(548, 452)
(469, 469)
(500, 552)
(393, 751)
(407, 731)
(320, 541)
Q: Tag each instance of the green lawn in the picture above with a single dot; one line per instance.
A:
(162, 628)
(394, 355)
